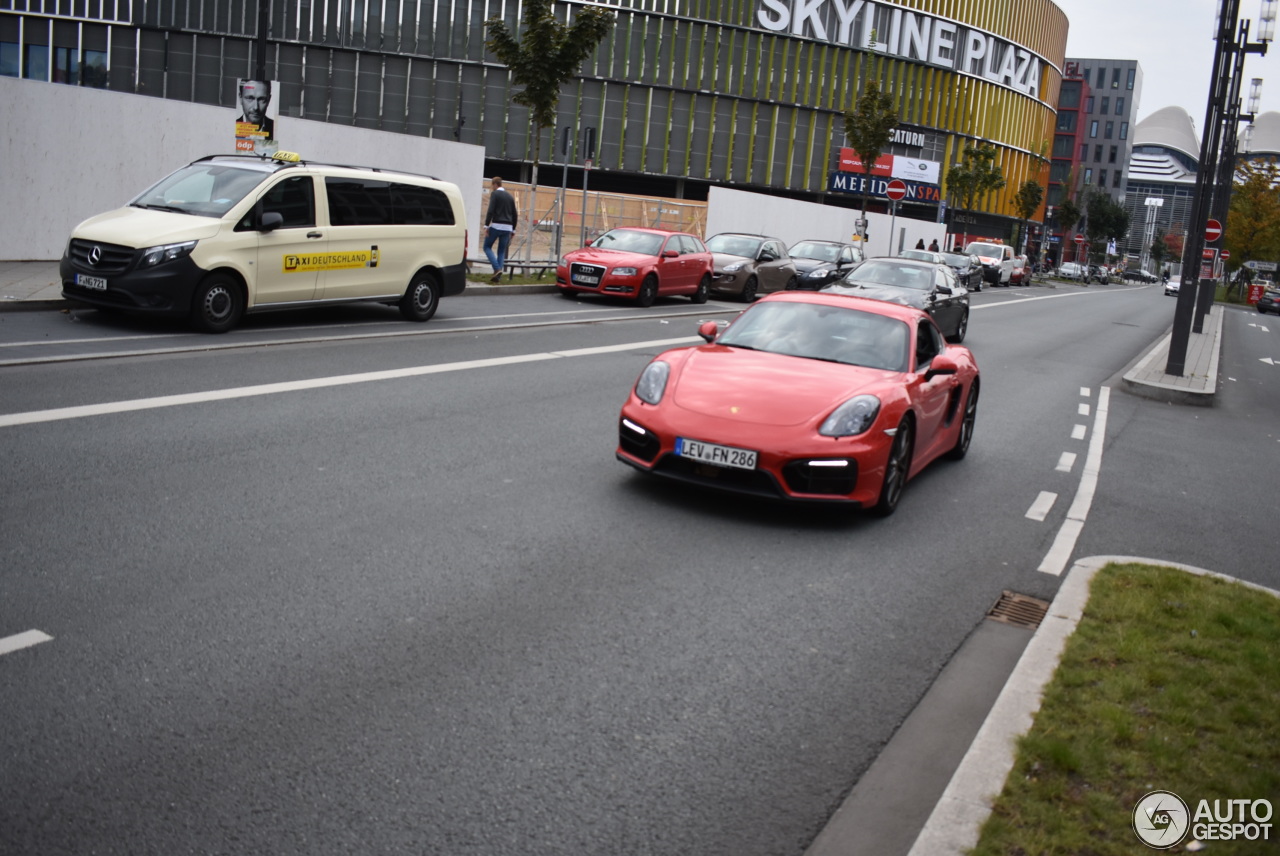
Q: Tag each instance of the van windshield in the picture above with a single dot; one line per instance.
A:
(206, 189)
(987, 250)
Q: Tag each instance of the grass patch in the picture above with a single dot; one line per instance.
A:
(1170, 682)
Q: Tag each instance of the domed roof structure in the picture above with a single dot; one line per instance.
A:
(1265, 139)
(1170, 128)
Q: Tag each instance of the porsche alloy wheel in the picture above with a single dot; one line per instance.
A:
(648, 291)
(896, 469)
(967, 421)
(704, 286)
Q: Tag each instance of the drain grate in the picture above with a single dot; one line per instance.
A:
(1019, 609)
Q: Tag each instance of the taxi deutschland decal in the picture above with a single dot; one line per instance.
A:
(303, 262)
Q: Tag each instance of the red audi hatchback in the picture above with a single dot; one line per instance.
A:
(640, 264)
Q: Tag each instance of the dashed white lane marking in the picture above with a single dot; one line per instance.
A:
(1085, 392)
(1083, 409)
(1066, 462)
(1039, 509)
(1055, 561)
(1078, 432)
(17, 642)
(11, 419)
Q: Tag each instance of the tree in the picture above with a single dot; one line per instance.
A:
(1027, 200)
(545, 58)
(1106, 220)
(1159, 252)
(1068, 214)
(869, 127)
(1253, 221)
(976, 175)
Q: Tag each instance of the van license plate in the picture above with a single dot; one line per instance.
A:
(94, 282)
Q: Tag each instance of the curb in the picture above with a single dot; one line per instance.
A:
(1159, 391)
(953, 827)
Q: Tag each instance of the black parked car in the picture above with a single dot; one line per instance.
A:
(821, 263)
(1270, 301)
(924, 285)
(967, 268)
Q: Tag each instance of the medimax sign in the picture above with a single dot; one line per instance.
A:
(907, 34)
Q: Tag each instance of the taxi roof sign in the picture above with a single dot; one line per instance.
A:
(288, 157)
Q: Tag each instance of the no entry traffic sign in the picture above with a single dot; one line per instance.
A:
(1224, 255)
(1212, 231)
(896, 189)
(1079, 239)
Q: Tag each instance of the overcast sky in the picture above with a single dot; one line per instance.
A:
(1173, 42)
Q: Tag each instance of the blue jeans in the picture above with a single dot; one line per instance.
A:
(503, 239)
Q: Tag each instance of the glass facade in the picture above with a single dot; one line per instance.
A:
(687, 89)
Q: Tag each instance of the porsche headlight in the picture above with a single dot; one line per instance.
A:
(153, 256)
(625, 271)
(851, 418)
(653, 382)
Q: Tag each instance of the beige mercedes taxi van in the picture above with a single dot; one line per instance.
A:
(230, 234)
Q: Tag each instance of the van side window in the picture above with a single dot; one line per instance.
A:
(368, 202)
(293, 199)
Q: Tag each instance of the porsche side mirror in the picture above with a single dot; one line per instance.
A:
(941, 365)
(708, 330)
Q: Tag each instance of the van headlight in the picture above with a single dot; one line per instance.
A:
(851, 418)
(153, 256)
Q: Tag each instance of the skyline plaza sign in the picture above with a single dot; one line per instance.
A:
(908, 34)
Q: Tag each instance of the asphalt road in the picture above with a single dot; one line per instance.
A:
(428, 612)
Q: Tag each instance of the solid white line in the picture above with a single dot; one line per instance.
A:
(1078, 432)
(9, 644)
(1083, 409)
(1011, 302)
(1039, 509)
(81, 411)
(1055, 561)
(1066, 462)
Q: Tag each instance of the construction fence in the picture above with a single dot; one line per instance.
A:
(558, 223)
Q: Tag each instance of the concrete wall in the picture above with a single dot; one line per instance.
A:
(68, 153)
(791, 220)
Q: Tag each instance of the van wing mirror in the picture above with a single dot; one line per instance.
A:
(270, 221)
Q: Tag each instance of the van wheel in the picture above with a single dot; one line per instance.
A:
(218, 303)
(421, 298)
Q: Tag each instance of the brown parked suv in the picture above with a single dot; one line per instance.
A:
(748, 265)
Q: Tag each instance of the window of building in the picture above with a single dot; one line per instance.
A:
(1106, 106)
(1102, 178)
(1102, 78)
(1084, 151)
(1062, 145)
(1115, 179)
(1069, 97)
(1088, 177)
(37, 62)
(1097, 153)
(1060, 171)
(1067, 121)
(93, 71)
(66, 66)
(1124, 130)
(1085, 75)
(1120, 106)
(1093, 128)
(1115, 150)
(1132, 74)
(1088, 104)
(1115, 78)
(1111, 126)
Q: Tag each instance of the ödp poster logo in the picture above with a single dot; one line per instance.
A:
(1161, 819)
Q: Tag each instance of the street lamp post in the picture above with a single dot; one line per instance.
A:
(1228, 63)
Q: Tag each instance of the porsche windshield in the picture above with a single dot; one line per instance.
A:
(205, 189)
(820, 332)
(629, 241)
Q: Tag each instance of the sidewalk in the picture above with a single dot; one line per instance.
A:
(37, 285)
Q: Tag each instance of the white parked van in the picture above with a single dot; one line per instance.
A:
(230, 234)
(997, 261)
